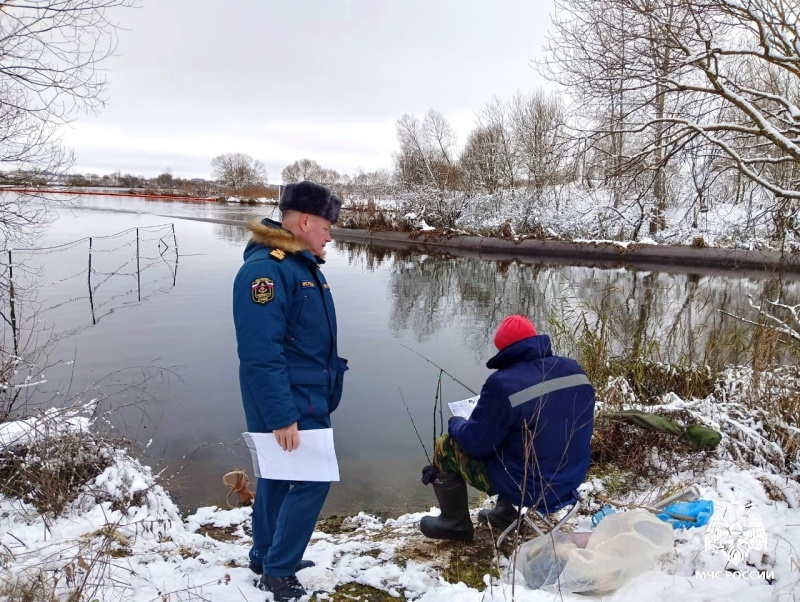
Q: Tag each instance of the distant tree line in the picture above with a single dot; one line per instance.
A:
(165, 182)
(233, 174)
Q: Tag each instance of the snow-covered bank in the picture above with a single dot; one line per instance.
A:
(570, 224)
(122, 537)
(570, 212)
(595, 252)
(147, 552)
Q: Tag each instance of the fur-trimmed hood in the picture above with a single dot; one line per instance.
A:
(271, 234)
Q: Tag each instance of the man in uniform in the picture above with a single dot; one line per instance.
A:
(290, 372)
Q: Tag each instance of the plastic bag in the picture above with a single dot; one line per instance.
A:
(622, 546)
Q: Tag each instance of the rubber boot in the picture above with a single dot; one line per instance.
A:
(454, 522)
(501, 516)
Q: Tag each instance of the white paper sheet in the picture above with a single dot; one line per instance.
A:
(314, 460)
(464, 407)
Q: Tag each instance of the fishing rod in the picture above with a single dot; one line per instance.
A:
(441, 369)
(427, 457)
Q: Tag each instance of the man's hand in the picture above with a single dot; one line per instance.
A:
(288, 437)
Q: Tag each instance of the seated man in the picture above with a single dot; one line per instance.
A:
(527, 440)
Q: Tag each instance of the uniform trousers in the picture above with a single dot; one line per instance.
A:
(284, 516)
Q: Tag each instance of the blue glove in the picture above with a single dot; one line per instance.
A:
(598, 516)
(698, 509)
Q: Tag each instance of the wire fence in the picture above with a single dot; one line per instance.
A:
(65, 288)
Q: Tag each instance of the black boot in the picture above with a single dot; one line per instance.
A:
(283, 589)
(454, 522)
(303, 564)
(501, 516)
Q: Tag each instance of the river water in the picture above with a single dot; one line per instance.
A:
(150, 333)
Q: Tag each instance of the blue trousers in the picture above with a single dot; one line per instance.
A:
(284, 516)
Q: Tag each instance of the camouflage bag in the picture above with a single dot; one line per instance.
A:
(700, 437)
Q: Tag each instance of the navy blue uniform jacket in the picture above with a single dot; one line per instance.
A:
(289, 368)
(532, 425)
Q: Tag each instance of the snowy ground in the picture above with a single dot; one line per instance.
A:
(124, 539)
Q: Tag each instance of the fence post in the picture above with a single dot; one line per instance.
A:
(12, 303)
(89, 281)
(138, 273)
(175, 240)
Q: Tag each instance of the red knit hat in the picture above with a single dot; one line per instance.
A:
(512, 329)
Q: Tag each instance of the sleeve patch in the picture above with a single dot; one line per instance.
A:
(263, 290)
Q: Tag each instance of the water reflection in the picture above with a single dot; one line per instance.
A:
(665, 316)
(231, 233)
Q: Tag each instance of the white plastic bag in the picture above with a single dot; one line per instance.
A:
(622, 546)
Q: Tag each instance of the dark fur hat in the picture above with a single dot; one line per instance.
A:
(310, 197)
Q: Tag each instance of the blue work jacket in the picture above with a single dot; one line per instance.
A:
(289, 367)
(532, 425)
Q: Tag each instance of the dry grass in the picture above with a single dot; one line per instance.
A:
(650, 381)
(368, 216)
(50, 472)
(220, 533)
(644, 457)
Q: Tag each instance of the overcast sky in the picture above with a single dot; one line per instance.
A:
(283, 80)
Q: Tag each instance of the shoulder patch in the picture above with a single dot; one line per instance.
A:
(325, 285)
(308, 284)
(262, 290)
(278, 254)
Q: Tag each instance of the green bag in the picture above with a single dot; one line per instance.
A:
(700, 437)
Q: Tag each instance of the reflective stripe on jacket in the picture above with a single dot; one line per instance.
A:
(532, 425)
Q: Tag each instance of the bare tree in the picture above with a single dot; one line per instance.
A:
(50, 53)
(696, 74)
(496, 116)
(537, 122)
(369, 186)
(238, 171)
(425, 166)
(608, 58)
(427, 150)
(165, 180)
(727, 43)
(588, 54)
(308, 169)
(441, 138)
(480, 160)
(413, 165)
